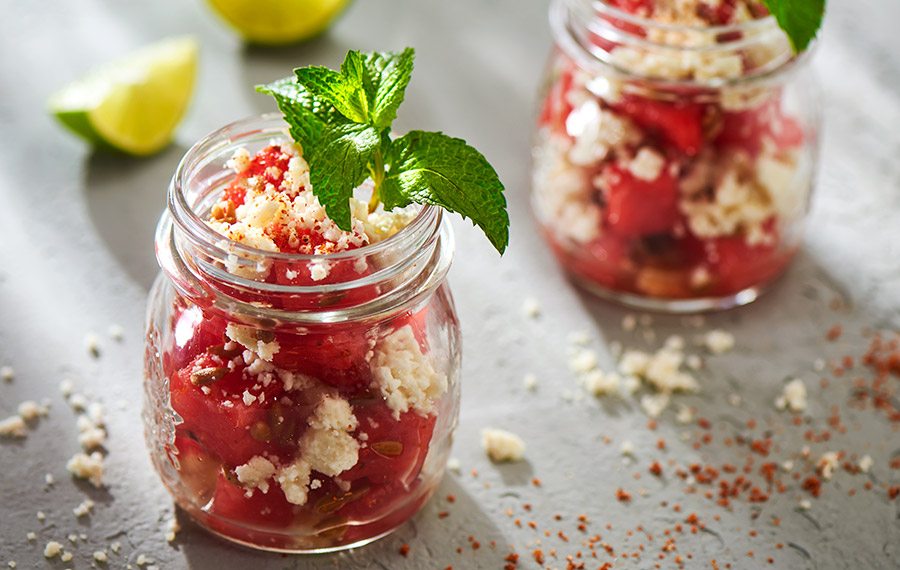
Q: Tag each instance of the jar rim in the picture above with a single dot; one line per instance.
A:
(603, 7)
(186, 217)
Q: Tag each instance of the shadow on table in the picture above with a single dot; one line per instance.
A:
(433, 542)
(125, 197)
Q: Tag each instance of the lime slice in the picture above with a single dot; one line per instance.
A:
(279, 21)
(135, 103)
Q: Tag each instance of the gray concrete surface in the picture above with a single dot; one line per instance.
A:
(76, 255)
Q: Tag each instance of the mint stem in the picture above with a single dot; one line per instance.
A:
(377, 171)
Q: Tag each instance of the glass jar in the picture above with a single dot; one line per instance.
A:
(296, 418)
(673, 164)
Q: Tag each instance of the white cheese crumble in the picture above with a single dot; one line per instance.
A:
(583, 361)
(405, 375)
(827, 463)
(563, 193)
(172, 529)
(66, 387)
(89, 467)
(248, 338)
(92, 344)
(66, 556)
(30, 410)
(116, 332)
(255, 474)
(101, 556)
(793, 396)
(13, 426)
(294, 481)
(454, 465)
(84, 509)
(866, 463)
(328, 445)
(684, 415)
(600, 383)
(718, 341)
(531, 307)
(530, 382)
(627, 448)
(654, 404)
(7, 373)
(52, 549)
(647, 164)
(501, 445)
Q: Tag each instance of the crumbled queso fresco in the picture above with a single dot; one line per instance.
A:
(270, 206)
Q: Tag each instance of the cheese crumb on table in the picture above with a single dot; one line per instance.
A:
(13, 426)
(7, 373)
(531, 307)
(116, 332)
(454, 465)
(866, 463)
(92, 344)
(52, 549)
(84, 509)
(90, 467)
(600, 383)
(30, 410)
(827, 463)
(583, 361)
(101, 557)
(501, 445)
(793, 396)
(718, 341)
(530, 382)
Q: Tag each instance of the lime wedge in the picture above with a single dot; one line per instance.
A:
(135, 103)
(274, 22)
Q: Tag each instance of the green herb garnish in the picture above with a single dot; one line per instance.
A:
(342, 119)
(800, 19)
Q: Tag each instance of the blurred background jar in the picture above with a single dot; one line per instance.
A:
(674, 157)
(297, 403)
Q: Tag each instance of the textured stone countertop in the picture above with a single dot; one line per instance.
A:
(76, 256)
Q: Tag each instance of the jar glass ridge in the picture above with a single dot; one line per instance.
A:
(244, 368)
(673, 163)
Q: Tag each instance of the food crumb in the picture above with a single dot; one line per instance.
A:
(531, 307)
(52, 549)
(7, 373)
(501, 445)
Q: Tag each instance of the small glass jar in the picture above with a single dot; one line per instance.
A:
(296, 418)
(673, 164)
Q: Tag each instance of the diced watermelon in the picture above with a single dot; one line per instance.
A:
(261, 510)
(193, 331)
(226, 430)
(394, 449)
(197, 468)
(636, 207)
(737, 265)
(336, 357)
(749, 129)
(679, 123)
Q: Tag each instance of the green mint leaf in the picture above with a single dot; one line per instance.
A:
(345, 93)
(338, 164)
(432, 168)
(387, 76)
(306, 114)
(800, 19)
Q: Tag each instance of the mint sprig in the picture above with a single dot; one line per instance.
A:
(342, 119)
(800, 19)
